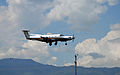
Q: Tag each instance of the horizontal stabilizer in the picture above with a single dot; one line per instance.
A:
(26, 30)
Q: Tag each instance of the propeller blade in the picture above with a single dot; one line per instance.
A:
(73, 37)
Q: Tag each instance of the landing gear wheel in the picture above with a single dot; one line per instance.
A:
(56, 43)
(65, 43)
(50, 43)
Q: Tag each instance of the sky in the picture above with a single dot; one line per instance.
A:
(95, 24)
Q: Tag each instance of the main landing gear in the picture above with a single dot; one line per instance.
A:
(56, 43)
(50, 43)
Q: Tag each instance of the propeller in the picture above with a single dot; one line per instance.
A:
(73, 37)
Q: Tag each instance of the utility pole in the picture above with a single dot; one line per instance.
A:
(75, 64)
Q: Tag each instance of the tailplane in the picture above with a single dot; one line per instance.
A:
(26, 33)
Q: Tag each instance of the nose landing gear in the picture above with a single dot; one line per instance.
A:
(66, 43)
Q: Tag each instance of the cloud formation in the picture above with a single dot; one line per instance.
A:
(110, 2)
(52, 60)
(80, 13)
(17, 15)
(115, 27)
(68, 64)
(30, 50)
(29, 13)
(107, 50)
(20, 14)
(38, 14)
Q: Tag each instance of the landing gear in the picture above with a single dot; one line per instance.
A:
(56, 43)
(66, 43)
(50, 43)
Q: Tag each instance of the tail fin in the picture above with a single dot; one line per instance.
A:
(26, 33)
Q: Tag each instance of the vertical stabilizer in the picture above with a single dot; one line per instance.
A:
(26, 33)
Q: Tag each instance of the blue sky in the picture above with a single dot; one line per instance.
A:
(90, 21)
(3, 3)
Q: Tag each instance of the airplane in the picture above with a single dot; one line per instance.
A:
(49, 38)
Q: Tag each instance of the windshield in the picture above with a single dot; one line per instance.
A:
(61, 35)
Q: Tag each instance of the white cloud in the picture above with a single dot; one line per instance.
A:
(107, 50)
(115, 27)
(29, 13)
(33, 14)
(35, 48)
(85, 61)
(110, 2)
(52, 60)
(68, 64)
(113, 2)
(21, 14)
(8, 30)
(30, 50)
(62, 48)
(80, 13)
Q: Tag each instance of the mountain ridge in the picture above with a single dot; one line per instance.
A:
(15, 66)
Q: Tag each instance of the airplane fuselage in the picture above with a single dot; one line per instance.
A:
(48, 38)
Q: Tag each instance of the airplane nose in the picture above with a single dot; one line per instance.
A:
(73, 37)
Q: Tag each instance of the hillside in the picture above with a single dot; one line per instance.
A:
(12, 66)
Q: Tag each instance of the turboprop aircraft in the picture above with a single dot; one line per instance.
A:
(48, 38)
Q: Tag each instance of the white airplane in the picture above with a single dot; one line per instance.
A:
(49, 38)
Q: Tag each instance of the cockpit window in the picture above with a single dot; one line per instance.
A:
(61, 35)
